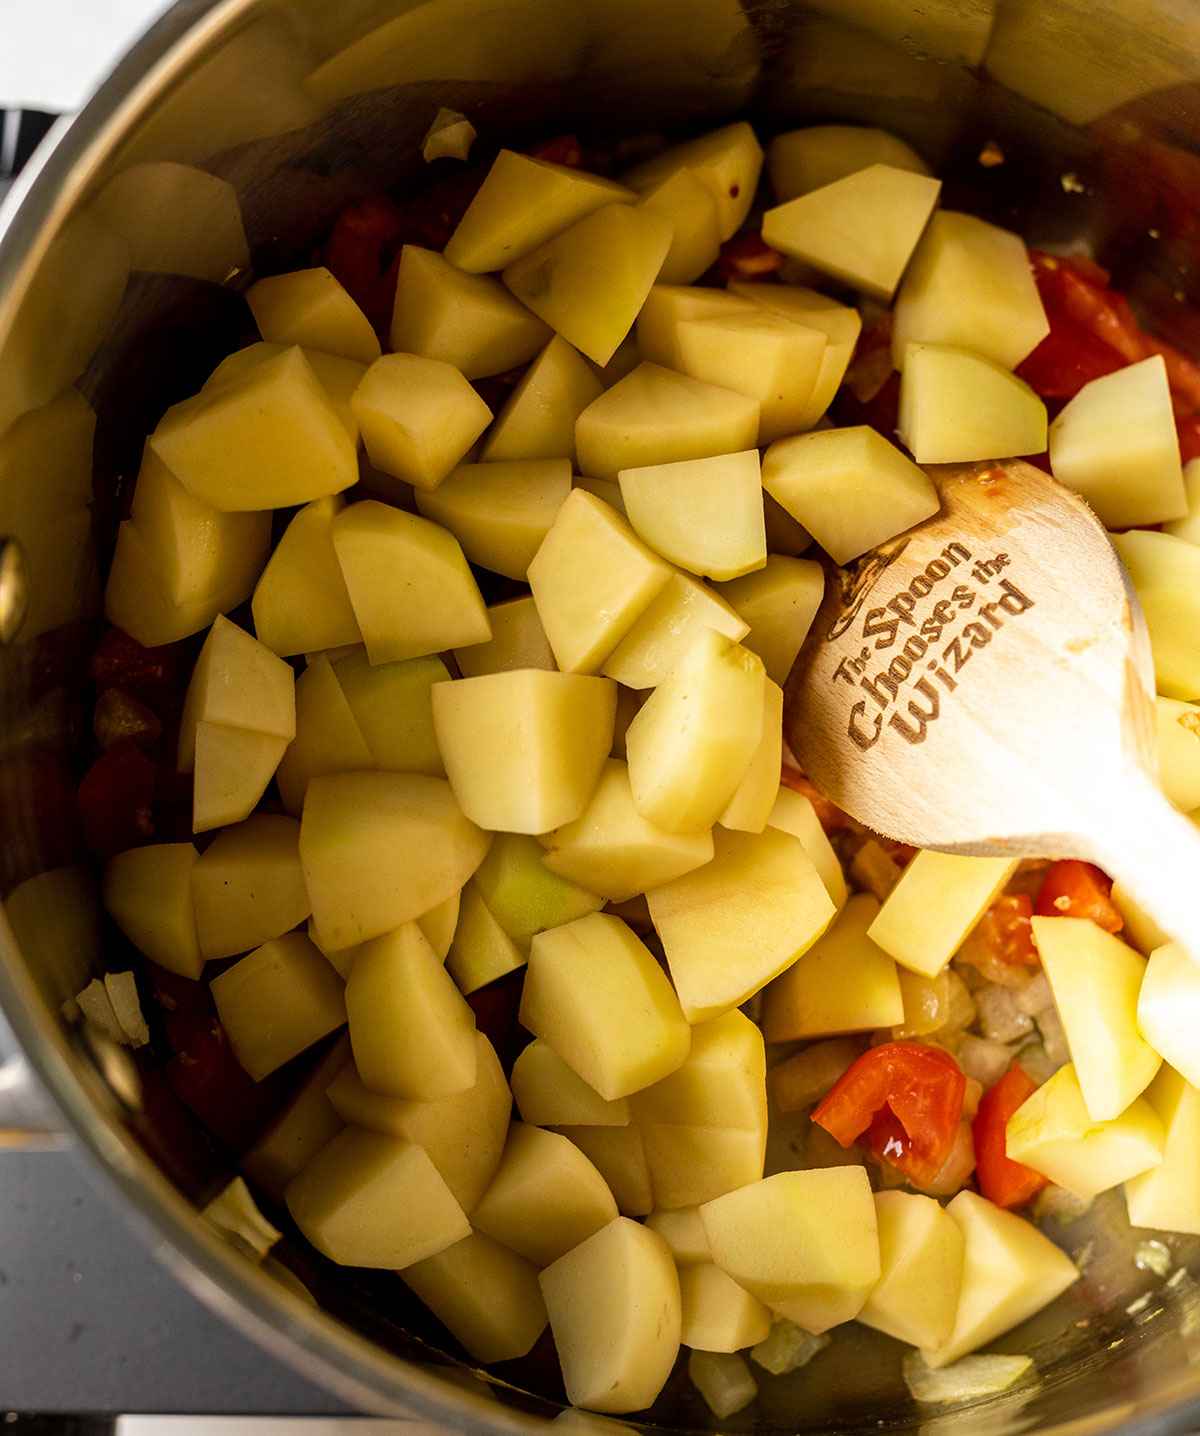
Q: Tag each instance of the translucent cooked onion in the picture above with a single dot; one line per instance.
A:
(804, 1079)
(957, 1168)
(787, 1347)
(965, 1380)
(1036, 997)
(999, 1016)
(983, 1059)
(723, 1380)
(1054, 1038)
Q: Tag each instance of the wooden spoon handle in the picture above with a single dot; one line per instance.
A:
(1153, 850)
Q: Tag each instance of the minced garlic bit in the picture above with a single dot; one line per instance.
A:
(449, 137)
(234, 1213)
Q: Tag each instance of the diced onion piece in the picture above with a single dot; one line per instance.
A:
(787, 1347)
(97, 1009)
(724, 1381)
(449, 137)
(873, 868)
(1054, 1038)
(234, 1213)
(1036, 997)
(965, 1380)
(122, 994)
(983, 1059)
(999, 1016)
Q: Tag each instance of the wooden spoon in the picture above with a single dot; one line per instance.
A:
(983, 684)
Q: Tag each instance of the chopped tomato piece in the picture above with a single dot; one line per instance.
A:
(208, 1079)
(147, 673)
(119, 715)
(1067, 359)
(830, 815)
(907, 1097)
(1007, 931)
(1001, 1180)
(747, 256)
(1072, 888)
(116, 800)
(561, 150)
(1188, 430)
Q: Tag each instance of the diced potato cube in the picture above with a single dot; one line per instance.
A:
(956, 406)
(804, 1243)
(239, 683)
(843, 983)
(1177, 726)
(667, 629)
(463, 1134)
(589, 282)
(779, 603)
(233, 767)
(545, 1198)
(550, 1094)
(629, 705)
(380, 849)
(1189, 526)
(411, 588)
(655, 416)
(704, 514)
(328, 739)
(500, 512)
(1115, 443)
(462, 319)
(861, 229)
(692, 742)
(690, 1164)
(683, 1232)
(522, 203)
(718, 1315)
(347, 1199)
(412, 1031)
(1140, 928)
(970, 284)
(794, 813)
(596, 995)
(419, 416)
(337, 376)
(730, 927)
(480, 950)
(1052, 1133)
(263, 441)
(484, 1294)
(300, 603)
(620, 1156)
(439, 925)
(248, 887)
(610, 849)
(933, 907)
(1165, 572)
(615, 1313)
(518, 641)
(687, 203)
(668, 306)
(523, 895)
(800, 161)
(750, 807)
(311, 308)
(134, 597)
(921, 1261)
(308, 1123)
(727, 161)
(1168, 1007)
(591, 579)
(722, 1083)
(1167, 1197)
(148, 894)
(850, 488)
(393, 708)
(538, 417)
(277, 1002)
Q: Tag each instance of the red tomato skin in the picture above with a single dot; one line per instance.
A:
(1072, 888)
(116, 800)
(1001, 1180)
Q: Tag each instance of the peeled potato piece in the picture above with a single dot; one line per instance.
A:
(393, 708)
(800, 161)
(549, 1094)
(1165, 572)
(500, 511)
(328, 740)
(666, 630)
(232, 769)
(148, 893)
(337, 376)
(794, 813)
(1167, 1197)
(921, 1261)
(308, 1123)
(956, 406)
(523, 895)
(727, 161)
(480, 950)
(136, 601)
(518, 641)
(620, 1156)
(1168, 1003)
(300, 602)
(750, 806)
(718, 1315)
(688, 205)
(248, 887)
(668, 307)
(538, 417)
(683, 1232)
(778, 602)
(310, 307)
(239, 683)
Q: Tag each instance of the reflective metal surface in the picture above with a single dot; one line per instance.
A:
(222, 146)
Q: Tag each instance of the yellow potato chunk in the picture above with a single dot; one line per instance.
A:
(463, 1134)
(300, 603)
(248, 887)
(850, 488)
(1165, 572)
(375, 1201)
(596, 995)
(485, 1295)
(969, 284)
(668, 306)
(1177, 728)
(518, 641)
(412, 1032)
(1052, 1133)
(419, 416)
(328, 739)
(538, 417)
(522, 203)
(439, 924)
(667, 629)
(310, 307)
(843, 983)
(693, 740)
(727, 161)
(381, 849)
(277, 1002)
(1167, 1197)
(655, 416)
(591, 578)
(1141, 930)
(921, 1263)
(467, 320)
(615, 1313)
(523, 750)
(704, 514)
(804, 1243)
(393, 707)
(500, 512)
(409, 584)
(1168, 1006)
(589, 281)
(620, 1156)
(1188, 527)
(730, 927)
(956, 406)
(1096, 979)
(692, 1164)
(134, 598)
(688, 205)
(337, 376)
(239, 683)
(800, 161)
(265, 440)
(545, 1198)
(523, 895)
(794, 813)
(683, 1232)
(148, 894)
(861, 229)
(610, 849)
(233, 767)
(1010, 1270)
(938, 900)
(308, 1123)
(549, 1094)
(779, 603)
(718, 1315)
(480, 950)
(722, 1082)
(750, 807)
